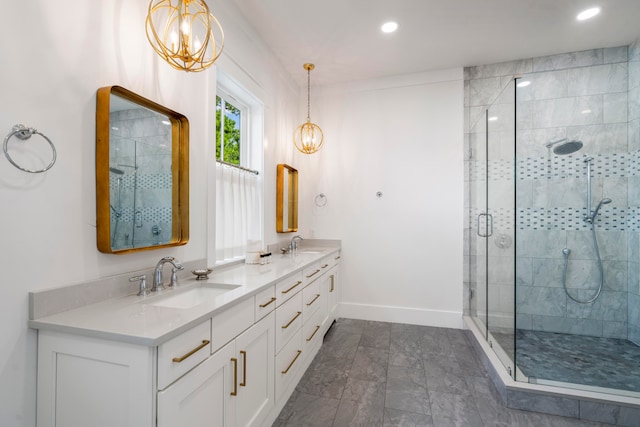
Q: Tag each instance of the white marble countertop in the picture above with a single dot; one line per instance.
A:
(138, 320)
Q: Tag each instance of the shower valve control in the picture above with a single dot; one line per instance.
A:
(503, 241)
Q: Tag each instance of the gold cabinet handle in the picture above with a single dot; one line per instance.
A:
(337, 258)
(291, 288)
(267, 303)
(313, 274)
(195, 350)
(235, 376)
(292, 362)
(292, 320)
(314, 333)
(332, 286)
(313, 300)
(324, 266)
(244, 368)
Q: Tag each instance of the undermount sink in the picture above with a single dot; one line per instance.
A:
(309, 251)
(193, 297)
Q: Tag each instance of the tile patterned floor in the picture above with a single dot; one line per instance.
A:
(594, 361)
(388, 374)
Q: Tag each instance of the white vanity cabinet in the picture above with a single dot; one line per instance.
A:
(227, 364)
(233, 387)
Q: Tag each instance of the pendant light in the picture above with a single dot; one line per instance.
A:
(182, 33)
(308, 137)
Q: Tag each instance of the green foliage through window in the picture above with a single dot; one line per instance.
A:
(230, 132)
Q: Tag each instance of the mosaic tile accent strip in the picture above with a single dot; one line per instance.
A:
(557, 167)
(158, 181)
(149, 215)
(559, 219)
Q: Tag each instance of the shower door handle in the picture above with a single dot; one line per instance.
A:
(488, 221)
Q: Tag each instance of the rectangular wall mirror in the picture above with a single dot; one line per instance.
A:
(287, 199)
(142, 173)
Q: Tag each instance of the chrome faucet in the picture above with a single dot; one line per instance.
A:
(293, 244)
(158, 284)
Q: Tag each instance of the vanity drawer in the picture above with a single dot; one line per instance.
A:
(289, 365)
(286, 288)
(310, 300)
(265, 302)
(311, 273)
(230, 323)
(180, 354)
(288, 320)
(312, 334)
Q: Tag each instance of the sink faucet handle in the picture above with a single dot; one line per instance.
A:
(174, 276)
(144, 291)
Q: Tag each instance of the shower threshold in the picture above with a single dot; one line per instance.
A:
(591, 403)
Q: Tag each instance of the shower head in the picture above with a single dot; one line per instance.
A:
(594, 214)
(565, 146)
(116, 171)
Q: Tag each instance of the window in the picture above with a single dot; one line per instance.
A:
(238, 179)
(231, 130)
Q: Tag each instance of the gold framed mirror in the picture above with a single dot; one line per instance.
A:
(287, 199)
(142, 173)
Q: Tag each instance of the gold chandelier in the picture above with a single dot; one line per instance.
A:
(308, 137)
(182, 33)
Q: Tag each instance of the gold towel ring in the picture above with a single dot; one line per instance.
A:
(22, 132)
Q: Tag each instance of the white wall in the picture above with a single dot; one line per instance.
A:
(402, 252)
(55, 56)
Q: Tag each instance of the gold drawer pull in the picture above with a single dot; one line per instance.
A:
(292, 362)
(292, 320)
(291, 288)
(195, 350)
(267, 303)
(332, 286)
(314, 333)
(244, 368)
(235, 376)
(313, 300)
(324, 266)
(313, 274)
(337, 258)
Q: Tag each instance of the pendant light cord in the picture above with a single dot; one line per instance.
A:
(309, 95)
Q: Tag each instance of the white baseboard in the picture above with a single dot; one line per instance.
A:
(408, 315)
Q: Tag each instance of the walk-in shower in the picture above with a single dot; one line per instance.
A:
(554, 225)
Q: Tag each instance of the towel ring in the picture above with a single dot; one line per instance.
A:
(321, 200)
(22, 132)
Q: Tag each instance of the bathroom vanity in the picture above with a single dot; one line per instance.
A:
(227, 351)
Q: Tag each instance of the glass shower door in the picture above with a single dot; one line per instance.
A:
(498, 226)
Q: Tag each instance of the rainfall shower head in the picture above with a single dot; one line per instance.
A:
(565, 146)
(116, 171)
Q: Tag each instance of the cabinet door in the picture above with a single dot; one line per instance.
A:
(332, 281)
(255, 354)
(201, 398)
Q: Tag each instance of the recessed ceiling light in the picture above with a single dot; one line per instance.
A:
(524, 83)
(389, 27)
(588, 14)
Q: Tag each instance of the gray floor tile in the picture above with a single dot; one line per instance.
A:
(380, 374)
(370, 364)
(398, 418)
(449, 409)
(376, 335)
(352, 413)
(407, 390)
(307, 410)
(326, 377)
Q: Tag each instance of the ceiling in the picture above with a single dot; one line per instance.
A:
(343, 38)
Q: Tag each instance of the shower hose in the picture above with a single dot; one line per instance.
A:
(566, 252)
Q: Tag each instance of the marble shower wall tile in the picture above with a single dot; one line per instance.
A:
(569, 60)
